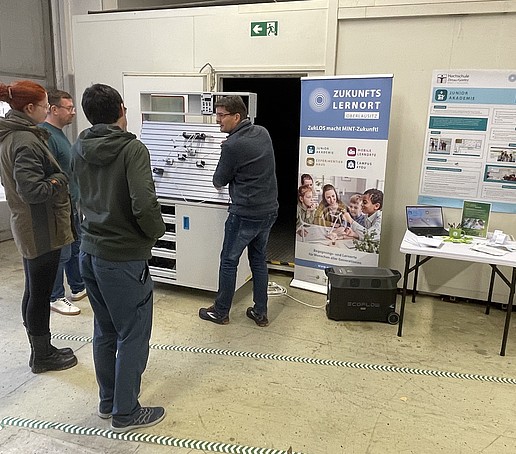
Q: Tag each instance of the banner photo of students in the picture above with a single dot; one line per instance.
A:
(342, 159)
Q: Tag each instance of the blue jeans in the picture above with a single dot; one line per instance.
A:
(69, 264)
(121, 297)
(239, 233)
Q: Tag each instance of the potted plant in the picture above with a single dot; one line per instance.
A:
(368, 243)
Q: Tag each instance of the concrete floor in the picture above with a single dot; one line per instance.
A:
(218, 390)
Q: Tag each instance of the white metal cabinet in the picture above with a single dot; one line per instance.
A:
(200, 233)
(184, 155)
(188, 253)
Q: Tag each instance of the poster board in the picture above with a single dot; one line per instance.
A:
(470, 140)
(343, 153)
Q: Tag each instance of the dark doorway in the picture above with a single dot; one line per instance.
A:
(278, 110)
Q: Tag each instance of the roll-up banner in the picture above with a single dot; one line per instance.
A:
(342, 159)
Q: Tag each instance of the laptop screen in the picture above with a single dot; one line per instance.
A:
(424, 216)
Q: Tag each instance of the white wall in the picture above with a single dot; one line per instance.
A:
(410, 47)
(184, 40)
(403, 37)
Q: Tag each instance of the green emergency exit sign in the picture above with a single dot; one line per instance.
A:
(264, 28)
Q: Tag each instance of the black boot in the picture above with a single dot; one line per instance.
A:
(60, 351)
(46, 357)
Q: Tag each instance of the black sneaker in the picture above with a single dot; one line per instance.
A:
(144, 417)
(103, 415)
(211, 315)
(260, 320)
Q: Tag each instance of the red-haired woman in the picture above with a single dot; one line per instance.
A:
(37, 194)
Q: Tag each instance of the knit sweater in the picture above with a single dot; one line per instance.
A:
(61, 148)
(247, 165)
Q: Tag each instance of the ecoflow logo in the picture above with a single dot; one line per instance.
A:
(319, 100)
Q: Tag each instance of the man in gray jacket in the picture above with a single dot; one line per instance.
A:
(247, 165)
(122, 221)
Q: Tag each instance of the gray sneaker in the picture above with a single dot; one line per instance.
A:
(144, 417)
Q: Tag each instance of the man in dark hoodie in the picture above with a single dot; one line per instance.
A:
(122, 221)
(247, 165)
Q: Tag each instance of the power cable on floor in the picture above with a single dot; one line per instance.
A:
(274, 289)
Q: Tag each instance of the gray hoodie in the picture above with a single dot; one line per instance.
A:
(122, 217)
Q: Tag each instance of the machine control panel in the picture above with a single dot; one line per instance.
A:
(207, 104)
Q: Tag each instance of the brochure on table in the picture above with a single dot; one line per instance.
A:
(475, 218)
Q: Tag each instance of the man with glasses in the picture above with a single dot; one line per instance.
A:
(247, 165)
(61, 112)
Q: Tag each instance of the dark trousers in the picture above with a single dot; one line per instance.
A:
(241, 233)
(40, 274)
(121, 297)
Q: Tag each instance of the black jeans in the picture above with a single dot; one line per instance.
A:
(40, 274)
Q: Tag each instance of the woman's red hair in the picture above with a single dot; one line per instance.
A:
(20, 93)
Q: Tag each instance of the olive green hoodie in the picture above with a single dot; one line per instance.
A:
(122, 216)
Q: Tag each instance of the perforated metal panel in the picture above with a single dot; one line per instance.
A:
(184, 157)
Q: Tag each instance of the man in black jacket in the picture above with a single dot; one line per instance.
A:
(247, 165)
(122, 221)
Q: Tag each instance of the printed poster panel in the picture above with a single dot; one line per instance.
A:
(470, 142)
(342, 158)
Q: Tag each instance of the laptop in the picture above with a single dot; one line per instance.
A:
(426, 220)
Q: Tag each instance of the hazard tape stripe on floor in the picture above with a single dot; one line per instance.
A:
(141, 437)
(315, 361)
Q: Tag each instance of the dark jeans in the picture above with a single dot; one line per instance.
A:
(40, 274)
(69, 264)
(121, 297)
(239, 233)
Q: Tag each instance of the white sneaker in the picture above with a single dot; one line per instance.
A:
(64, 307)
(79, 295)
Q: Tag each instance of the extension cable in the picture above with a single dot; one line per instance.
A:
(274, 289)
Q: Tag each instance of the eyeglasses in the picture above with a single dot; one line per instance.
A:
(222, 115)
(70, 109)
(45, 106)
